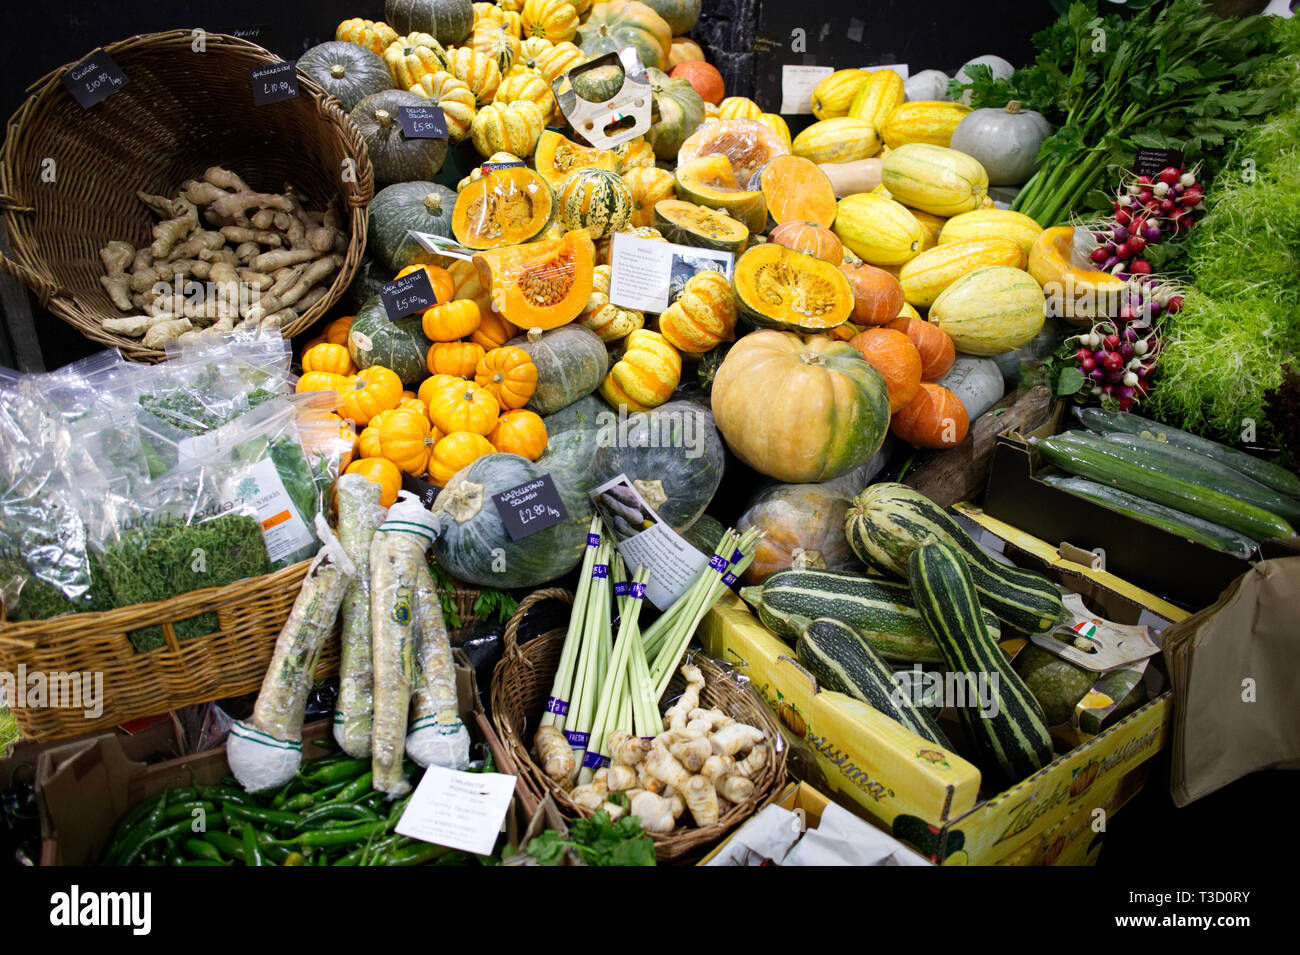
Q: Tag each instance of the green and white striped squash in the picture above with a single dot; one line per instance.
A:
(887, 522)
(992, 310)
(596, 200)
(1015, 737)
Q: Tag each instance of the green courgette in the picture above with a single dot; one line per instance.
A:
(1091, 457)
(1265, 472)
(1014, 734)
(1157, 515)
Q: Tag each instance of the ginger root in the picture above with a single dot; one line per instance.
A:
(116, 256)
(555, 754)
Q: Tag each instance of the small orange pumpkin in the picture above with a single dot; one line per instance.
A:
(508, 374)
(382, 472)
(520, 432)
(877, 294)
(454, 358)
(374, 390)
(493, 330)
(452, 321)
(336, 332)
(328, 357)
(704, 79)
(935, 346)
(405, 439)
(322, 381)
(466, 408)
(893, 355)
(811, 239)
(414, 404)
(457, 450)
(444, 286)
(431, 387)
(935, 418)
(368, 442)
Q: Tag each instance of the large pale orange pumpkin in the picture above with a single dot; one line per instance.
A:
(877, 295)
(935, 418)
(893, 355)
(935, 346)
(703, 77)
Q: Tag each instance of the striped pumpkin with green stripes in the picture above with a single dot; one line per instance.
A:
(596, 200)
(887, 522)
(1013, 733)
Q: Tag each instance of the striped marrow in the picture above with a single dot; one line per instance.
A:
(887, 522)
(842, 661)
(1015, 736)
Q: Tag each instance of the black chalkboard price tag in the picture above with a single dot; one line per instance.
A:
(274, 83)
(426, 492)
(407, 295)
(94, 79)
(423, 122)
(530, 508)
(1152, 162)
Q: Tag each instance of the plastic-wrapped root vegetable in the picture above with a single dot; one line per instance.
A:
(360, 515)
(396, 558)
(437, 736)
(266, 750)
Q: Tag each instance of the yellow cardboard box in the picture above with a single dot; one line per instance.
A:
(925, 795)
(796, 797)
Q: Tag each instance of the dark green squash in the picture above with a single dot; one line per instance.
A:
(586, 414)
(394, 157)
(347, 71)
(370, 274)
(400, 208)
(447, 21)
(680, 15)
(705, 533)
(673, 455)
(571, 363)
(399, 346)
(710, 362)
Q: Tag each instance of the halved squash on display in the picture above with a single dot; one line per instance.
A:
(780, 288)
(710, 181)
(688, 224)
(541, 284)
(796, 189)
(503, 207)
(748, 144)
(557, 156)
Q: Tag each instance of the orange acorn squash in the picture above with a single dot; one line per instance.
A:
(781, 288)
(809, 238)
(503, 207)
(540, 284)
(557, 156)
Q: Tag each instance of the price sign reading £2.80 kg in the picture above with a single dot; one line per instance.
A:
(530, 508)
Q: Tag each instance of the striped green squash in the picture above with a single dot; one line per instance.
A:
(882, 612)
(1015, 736)
(596, 200)
(842, 661)
(887, 522)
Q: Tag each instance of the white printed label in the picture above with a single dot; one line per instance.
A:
(643, 271)
(797, 85)
(460, 810)
(283, 528)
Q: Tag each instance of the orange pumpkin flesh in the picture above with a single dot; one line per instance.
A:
(796, 189)
(938, 353)
(893, 355)
(542, 284)
(502, 208)
(877, 295)
(935, 418)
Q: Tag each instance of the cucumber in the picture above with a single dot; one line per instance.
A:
(841, 660)
(1199, 469)
(1091, 457)
(887, 522)
(882, 612)
(1157, 515)
(1015, 737)
(1265, 472)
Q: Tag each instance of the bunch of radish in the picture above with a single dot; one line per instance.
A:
(1118, 356)
(1149, 210)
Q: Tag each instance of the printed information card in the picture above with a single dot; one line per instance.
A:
(459, 810)
(643, 271)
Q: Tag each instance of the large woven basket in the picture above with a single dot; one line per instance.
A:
(521, 684)
(180, 112)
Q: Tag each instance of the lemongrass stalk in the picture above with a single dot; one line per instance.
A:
(728, 550)
(615, 684)
(596, 637)
(668, 622)
(586, 653)
(645, 708)
(557, 705)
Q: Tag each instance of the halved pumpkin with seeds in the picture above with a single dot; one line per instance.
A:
(502, 207)
(710, 181)
(780, 288)
(557, 156)
(540, 284)
(688, 224)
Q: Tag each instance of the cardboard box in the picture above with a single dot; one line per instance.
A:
(1188, 573)
(922, 794)
(797, 797)
(84, 788)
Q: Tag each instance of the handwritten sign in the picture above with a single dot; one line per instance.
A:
(274, 83)
(407, 295)
(94, 79)
(530, 508)
(423, 122)
(426, 492)
(1152, 162)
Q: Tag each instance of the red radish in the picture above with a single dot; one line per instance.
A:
(1140, 266)
(1088, 364)
(1146, 196)
(1112, 341)
(1169, 175)
(1083, 354)
(1114, 361)
(1099, 255)
(1144, 180)
(1124, 250)
(1137, 243)
(1175, 305)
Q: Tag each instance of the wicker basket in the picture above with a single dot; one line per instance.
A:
(521, 684)
(179, 112)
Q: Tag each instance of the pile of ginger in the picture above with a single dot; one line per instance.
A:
(223, 257)
(703, 763)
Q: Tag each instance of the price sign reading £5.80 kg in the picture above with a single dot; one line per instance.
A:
(407, 295)
(530, 508)
(275, 82)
